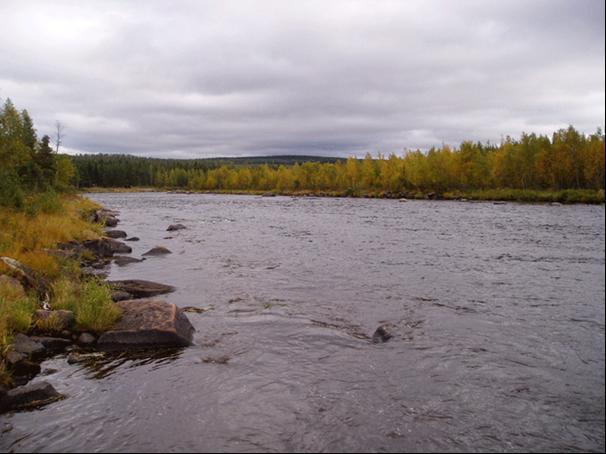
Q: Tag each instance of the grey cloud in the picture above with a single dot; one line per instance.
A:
(189, 78)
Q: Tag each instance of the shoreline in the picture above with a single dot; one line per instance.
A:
(76, 311)
(564, 196)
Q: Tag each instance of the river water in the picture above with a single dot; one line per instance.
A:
(497, 314)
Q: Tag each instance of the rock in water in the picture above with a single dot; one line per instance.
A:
(139, 288)
(107, 247)
(382, 334)
(173, 227)
(115, 233)
(148, 323)
(132, 238)
(30, 396)
(122, 260)
(158, 250)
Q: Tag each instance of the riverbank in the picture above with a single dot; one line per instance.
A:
(54, 297)
(564, 196)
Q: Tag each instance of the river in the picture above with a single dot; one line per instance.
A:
(497, 313)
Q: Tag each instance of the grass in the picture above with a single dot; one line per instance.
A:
(90, 301)
(16, 309)
(26, 235)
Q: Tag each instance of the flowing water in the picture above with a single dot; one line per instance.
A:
(497, 314)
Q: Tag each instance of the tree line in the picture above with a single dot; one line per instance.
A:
(568, 159)
(28, 166)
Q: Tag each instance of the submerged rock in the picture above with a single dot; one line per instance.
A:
(158, 250)
(77, 357)
(382, 334)
(30, 396)
(122, 260)
(173, 227)
(148, 323)
(115, 233)
(139, 288)
(132, 238)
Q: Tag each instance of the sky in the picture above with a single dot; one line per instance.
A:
(188, 79)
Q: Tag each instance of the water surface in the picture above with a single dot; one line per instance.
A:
(497, 311)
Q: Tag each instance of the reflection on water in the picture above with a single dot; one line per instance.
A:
(497, 313)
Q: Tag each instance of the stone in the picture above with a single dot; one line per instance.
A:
(27, 277)
(158, 250)
(403, 200)
(24, 371)
(86, 339)
(382, 334)
(148, 323)
(115, 234)
(119, 295)
(29, 396)
(139, 288)
(12, 357)
(123, 260)
(107, 247)
(173, 227)
(52, 344)
(25, 345)
(132, 238)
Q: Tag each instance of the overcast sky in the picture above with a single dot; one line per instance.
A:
(198, 79)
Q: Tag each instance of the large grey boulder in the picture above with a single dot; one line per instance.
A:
(140, 288)
(148, 323)
(29, 396)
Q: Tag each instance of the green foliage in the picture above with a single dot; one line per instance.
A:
(90, 301)
(27, 166)
(568, 160)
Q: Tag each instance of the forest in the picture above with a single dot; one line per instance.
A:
(568, 160)
(30, 169)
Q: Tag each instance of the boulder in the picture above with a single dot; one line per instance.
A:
(52, 322)
(24, 371)
(173, 227)
(132, 238)
(139, 288)
(122, 260)
(115, 234)
(158, 250)
(382, 334)
(26, 346)
(30, 396)
(107, 247)
(148, 323)
(28, 278)
(52, 344)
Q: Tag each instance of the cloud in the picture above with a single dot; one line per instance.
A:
(195, 79)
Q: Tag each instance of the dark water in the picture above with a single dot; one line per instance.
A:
(498, 346)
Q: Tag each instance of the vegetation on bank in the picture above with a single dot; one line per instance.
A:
(566, 167)
(38, 211)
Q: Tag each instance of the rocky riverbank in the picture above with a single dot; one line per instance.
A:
(144, 321)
